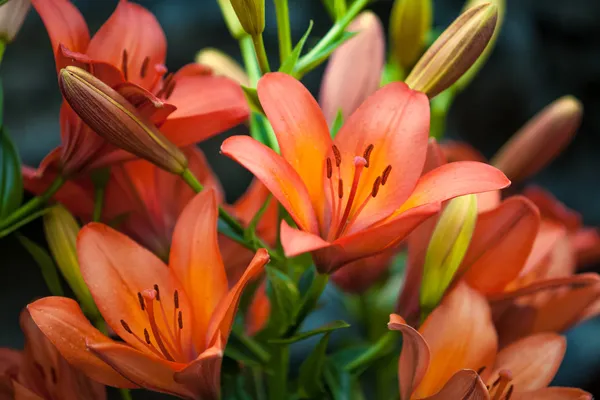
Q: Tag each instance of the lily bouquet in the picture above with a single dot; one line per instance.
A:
(459, 285)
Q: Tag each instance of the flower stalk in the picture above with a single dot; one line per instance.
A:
(283, 29)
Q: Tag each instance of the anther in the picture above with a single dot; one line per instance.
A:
(147, 336)
(509, 392)
(337, 155)
(141, 300)
(376, 187)
(125, 326)
(480, 370)
(170, 90)
(144, 68)
(53, 375)
(176, 299)
(157, 292)
(340, 188)
(367, 154)
(40, 369)
(165, 86)
(329, 168)
(124, 64)
(180, 320)
(386, 174)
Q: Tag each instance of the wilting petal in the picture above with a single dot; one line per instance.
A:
(464, 385)
(395, 120)
(116, 270)
(222, 318)
(532, 361)
(554, 393)
(146, 371)
(501, 244)
(203, 375)
(277, 175)
(553, 209)
(453, 180)
(301, 131)
(460, 335)
(414, 358)
(68, 329)
(196, 261)
(206, 105)
(354, 69)
(134, 31)
(65, 25)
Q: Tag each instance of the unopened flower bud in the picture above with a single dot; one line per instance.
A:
(455, 51)
(409, 23)
(222, 64)
(61, 233)
(447, 247)
(111, 116)
(540, 140)
(12, 15)
(231, 19)
(251, 14)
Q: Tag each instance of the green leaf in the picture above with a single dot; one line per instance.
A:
(11, 182)
(310, 377)
(1, 95)
(250, 231)
(285, 300)
(341, 384)
(322, 55)
(337, 123)
(46, 264)
(253, 100)
(328, 328)
(289, 64)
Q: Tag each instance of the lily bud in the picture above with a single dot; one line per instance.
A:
(409, 23)
(447, 247)
(111, 116)
(468, 76)
(222, 64)
(251, 14)
(540, 140)
(12, 15)
(231, 19)
(61, 233)
(455, 51)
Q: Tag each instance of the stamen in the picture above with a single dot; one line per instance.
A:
(367, 154)
(359, 164)
(501, 385)
(386, 174)
(170, 90)
(337, 155)
(144, 68)
(124, 64)
(141, 300)
(329, 168)
(363, 205)
(149, 297)
(340, 188)
(509, 392)
(375, 189)
(125, 326)
(180, 320)
(157, 292)
(147, 336)
(480, 370)
(53, 375)
(176, 299)
(165, 86)
(146, 343)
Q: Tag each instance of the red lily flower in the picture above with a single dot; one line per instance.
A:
(454, 354)
(40, 373)
(128, 53)
(175, 320)
(360, 193)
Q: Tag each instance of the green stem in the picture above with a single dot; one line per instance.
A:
(98, 204)
(314, 57)
(310, 302)
(32, 205)
(250, 61)
(283, 29)
(261, 53)
(2, 48)
(253, 346)
(125, 394)
(278, 376)
(375, 352)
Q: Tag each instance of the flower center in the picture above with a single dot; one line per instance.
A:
(501, 389)
(342, 217)
(165, 342)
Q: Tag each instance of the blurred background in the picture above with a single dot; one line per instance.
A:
(547, 48)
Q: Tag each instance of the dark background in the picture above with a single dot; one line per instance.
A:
(547, 48)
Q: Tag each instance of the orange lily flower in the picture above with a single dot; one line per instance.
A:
(128, 53)
(175, 320)
(454, 354)
(360, 193)
(40, 373)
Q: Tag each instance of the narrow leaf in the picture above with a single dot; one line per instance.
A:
(328, 328)
(46, 264)
(253, 101)
(310, 376)
(285, 300)
(11, 183)
(289, 64)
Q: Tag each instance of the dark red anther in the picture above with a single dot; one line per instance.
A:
(375, 189)
(386, 174)
(176, 299)
(340, 188)
(144, 67)
(329, 168)
(337, 155)
(141, 300)
(367, 154)
(180, 320)
(147, 336)
(125, 326)
(157, 292)
(170, 89)
(124, 62)
(510, 392)
(53, 375)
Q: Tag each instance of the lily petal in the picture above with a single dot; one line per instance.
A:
(453, 180)
(144, 370)
(196, 261)
(64, 324)
(129, 37)
(117, 270)
(501, 244)
(465, 385)
(206, 105)
(301, 130)
(550, 207)
(203, 375)
(414, 358)
(435, 156)
(148, 105)
(222, 318)
(460, 151)
(395, 120)
(277, 175)
(23, 393)
(65, 25)
(554, 393)
(460, 334)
